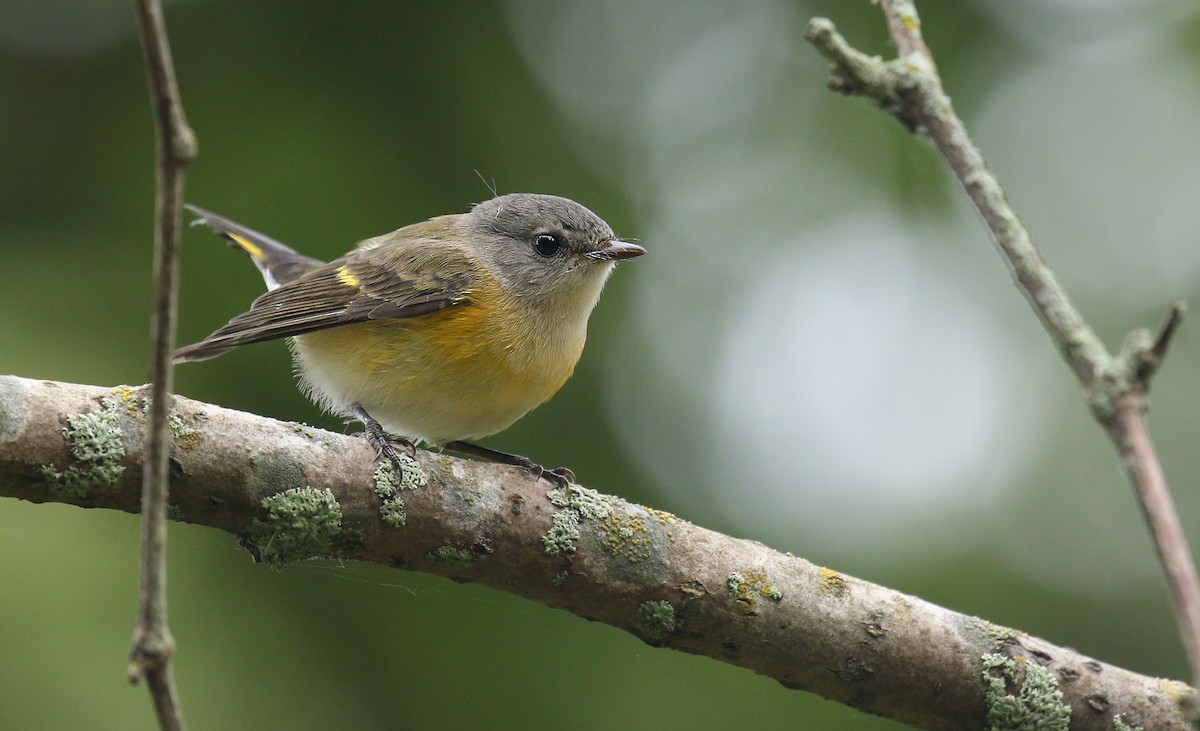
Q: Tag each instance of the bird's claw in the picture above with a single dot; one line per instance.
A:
(561, 476)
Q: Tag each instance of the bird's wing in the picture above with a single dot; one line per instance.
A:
(378, 281)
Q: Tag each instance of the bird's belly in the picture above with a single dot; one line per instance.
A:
(438, 378)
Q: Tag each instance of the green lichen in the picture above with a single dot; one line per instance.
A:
(656, 620)
(185, 436)
(96, 444)
(175, 513)
(410, 477)
(747, 588)
(588, 503)
(392, 512)
(450, 555)
(560, 577)
(94, 440)
(301, 523)
(1120, 725)
(563, 533)
(576, 503)
(390, 482)
(387, 479)
(1037, 704)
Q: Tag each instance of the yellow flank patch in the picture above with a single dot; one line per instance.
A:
(247, 246)
(346, 277)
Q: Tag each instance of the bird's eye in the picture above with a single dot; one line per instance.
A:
(547, 245)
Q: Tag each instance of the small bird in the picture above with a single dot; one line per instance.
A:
(440, 332)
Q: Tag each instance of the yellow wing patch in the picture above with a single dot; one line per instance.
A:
(346, 277)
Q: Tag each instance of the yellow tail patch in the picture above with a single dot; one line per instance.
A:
(248, 246)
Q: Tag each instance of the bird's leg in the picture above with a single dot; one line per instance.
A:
(561, 476)
(385, 444)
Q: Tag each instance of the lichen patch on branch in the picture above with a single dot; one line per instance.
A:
(576, 503)
(1022, 695)
(747, 588)
(391, 482)
(96, 444)
(301, 524)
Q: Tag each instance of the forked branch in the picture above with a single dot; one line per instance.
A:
(910, 89)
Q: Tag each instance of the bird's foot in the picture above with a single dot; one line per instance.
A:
(381, 441)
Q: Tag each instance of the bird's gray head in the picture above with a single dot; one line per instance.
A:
(547, 249)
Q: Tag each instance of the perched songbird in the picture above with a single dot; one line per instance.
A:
(442, 331)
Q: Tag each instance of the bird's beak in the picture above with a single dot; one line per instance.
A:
(615, 251)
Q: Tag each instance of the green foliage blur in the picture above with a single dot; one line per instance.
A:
(324, 123)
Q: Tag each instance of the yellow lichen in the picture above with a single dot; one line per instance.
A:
(747, 588)
(832, 583)
(664, 518)
(126, 397)
(625, 535)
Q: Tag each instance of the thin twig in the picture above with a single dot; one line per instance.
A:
(904, 26)
(152, 647)
(909, 88)
(1132, 440)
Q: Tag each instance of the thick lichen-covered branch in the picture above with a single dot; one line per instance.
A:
(290, 492)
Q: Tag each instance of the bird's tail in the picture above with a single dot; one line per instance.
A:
(277, 263)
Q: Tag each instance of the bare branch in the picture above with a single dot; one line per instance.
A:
(910, 89)
(152, 645)
(1131, 438)
(291, 492)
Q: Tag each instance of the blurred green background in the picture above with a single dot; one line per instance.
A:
(822, 352)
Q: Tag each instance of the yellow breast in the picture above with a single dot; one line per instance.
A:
(463, 372)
